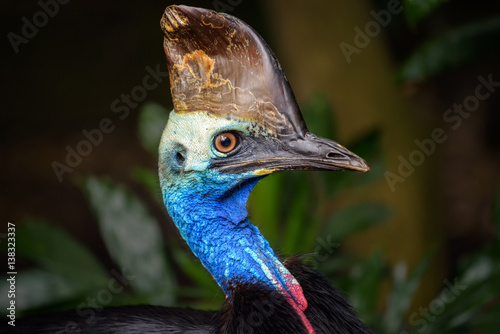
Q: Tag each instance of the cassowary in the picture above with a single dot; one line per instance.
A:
(235, 120)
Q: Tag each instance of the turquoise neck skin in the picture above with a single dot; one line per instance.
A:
(209, 209)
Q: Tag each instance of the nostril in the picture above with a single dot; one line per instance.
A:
(333, 155)
(179, 158)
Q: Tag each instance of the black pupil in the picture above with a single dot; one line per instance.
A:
(225, 141)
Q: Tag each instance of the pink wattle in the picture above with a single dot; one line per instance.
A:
(296, 299)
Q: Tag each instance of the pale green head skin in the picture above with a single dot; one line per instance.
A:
(195, 132)
(192, 135)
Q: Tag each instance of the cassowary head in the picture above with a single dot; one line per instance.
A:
(235, 116)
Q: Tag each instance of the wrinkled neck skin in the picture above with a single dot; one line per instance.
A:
(214, 222)
(209, 209)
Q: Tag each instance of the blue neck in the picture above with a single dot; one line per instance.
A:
(213, 219)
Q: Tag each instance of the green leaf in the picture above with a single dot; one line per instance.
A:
(149, 179)
(56, 251)
(264, 206)
(299, 211)
(39, 288)
(319, 116)
(416, 10)
(194, 269)
(451, 49)
(364, 279)
(296, 220)
(152, 120)
(334, 265)
(489, 321)
(468, 297)
(473, 293)
(133, 238)
(402, 294)
(479, 270)
(369, 148)
(355, 218)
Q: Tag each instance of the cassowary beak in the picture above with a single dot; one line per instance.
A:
(268, 155)
(314, 153)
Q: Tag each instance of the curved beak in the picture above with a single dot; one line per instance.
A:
(268, 155)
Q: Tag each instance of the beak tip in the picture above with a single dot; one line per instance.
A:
(360, 165)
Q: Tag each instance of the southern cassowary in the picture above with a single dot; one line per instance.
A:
(235, 120)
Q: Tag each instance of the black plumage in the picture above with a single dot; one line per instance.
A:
(251, 309)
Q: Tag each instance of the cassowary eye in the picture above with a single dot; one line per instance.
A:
(226, 142)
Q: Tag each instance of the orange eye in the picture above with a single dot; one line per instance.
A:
(226, 142)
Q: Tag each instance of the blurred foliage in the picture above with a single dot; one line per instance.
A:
(294, 212)
(122, 218)
(454, 47)
(152, 121)
(416, 10)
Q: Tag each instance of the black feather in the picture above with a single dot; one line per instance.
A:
(136, 319)
(250, 309)
(327, 309)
